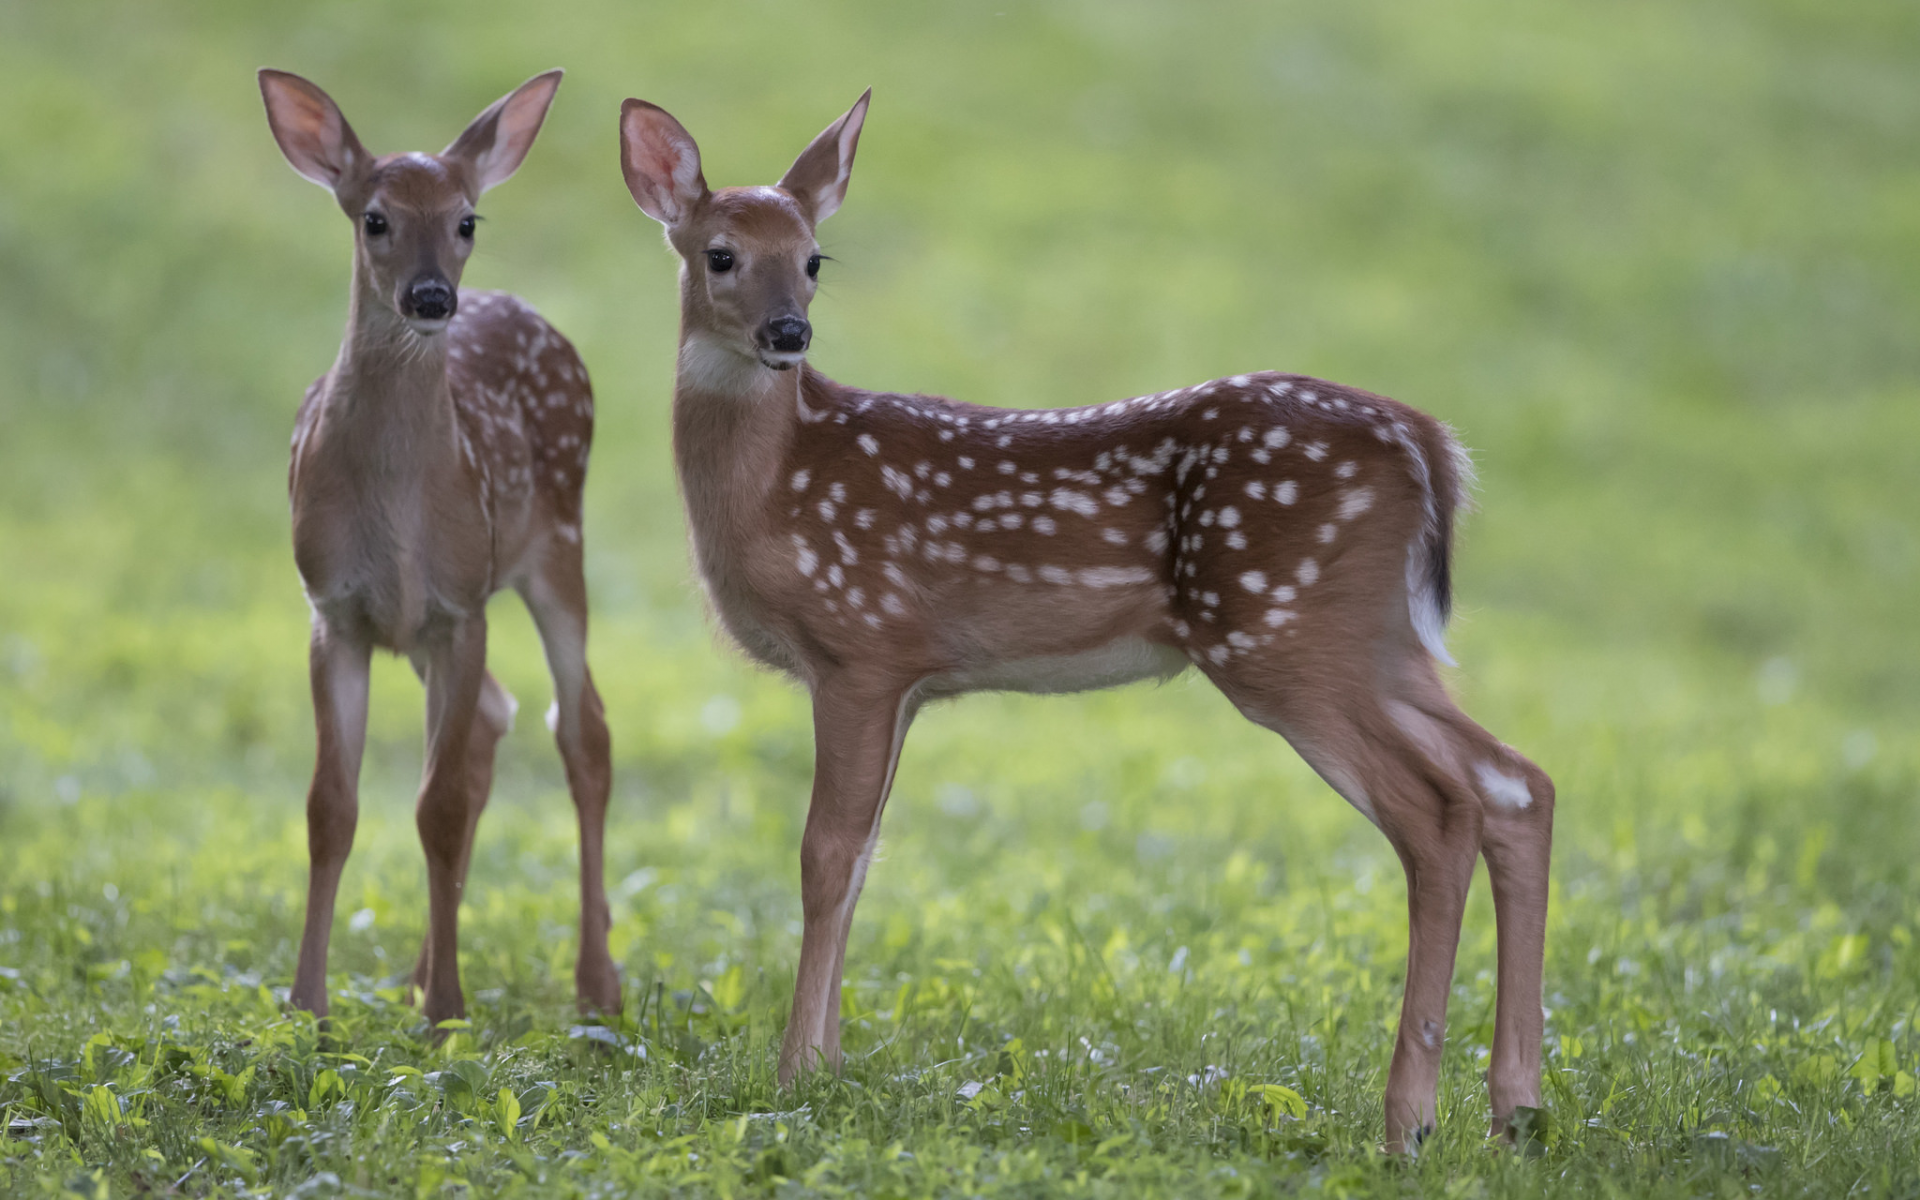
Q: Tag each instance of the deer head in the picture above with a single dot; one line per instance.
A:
(749, 260)
(413, 214)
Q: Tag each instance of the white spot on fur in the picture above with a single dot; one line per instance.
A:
(868, 443)
(1286, 491)
(1101, 577)
(1501, 789)
(1308, 572)
(1254, 581)
(1078, 502)
(1355, 501)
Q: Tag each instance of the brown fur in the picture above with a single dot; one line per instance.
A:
(433, 465)
(1288, 536)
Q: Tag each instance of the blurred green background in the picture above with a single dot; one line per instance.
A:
(1657, 263)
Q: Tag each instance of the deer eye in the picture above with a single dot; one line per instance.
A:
(466, 227)
(375, 223)
(720, 261)
(813, 266)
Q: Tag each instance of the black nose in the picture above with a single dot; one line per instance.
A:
(789, 334)
(431, 299)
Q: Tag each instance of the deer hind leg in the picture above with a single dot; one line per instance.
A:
(1431, 817)
(492, 720)
(339, 669)
(557, 598)
(1517, 842)
(858, 731)
(1516, 800)
(447, 808)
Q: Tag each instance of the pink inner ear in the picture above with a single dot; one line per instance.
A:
(663, 163)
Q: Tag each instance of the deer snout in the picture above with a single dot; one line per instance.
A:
(788, 335)
(431, 299)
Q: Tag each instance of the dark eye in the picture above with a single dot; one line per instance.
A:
(376, 224)
(813, 266)
(720, 261)
(466, 227)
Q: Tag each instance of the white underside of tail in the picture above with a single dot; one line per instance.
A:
(1423, 607)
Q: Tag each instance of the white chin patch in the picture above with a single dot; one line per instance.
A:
(779, 361)
(428, 328)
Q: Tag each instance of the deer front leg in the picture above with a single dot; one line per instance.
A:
(447, 806)
(338, 668)
(857, 735)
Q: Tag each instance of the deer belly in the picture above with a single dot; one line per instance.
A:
(1122, 660)
(397, 608)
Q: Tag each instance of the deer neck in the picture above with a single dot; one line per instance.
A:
(733, 423)
(388, 389)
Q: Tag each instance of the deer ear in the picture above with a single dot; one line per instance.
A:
(818, 178)
(661, 163)
(499, 138)
(312, 134)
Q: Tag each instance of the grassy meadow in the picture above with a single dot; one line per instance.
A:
(1657, 262)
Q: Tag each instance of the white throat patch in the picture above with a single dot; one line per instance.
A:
(708, 366)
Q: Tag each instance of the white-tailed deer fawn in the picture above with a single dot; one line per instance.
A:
(440, 460)
(1289, 537)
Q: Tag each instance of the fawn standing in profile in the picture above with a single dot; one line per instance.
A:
(440, 460)
(1289, 537)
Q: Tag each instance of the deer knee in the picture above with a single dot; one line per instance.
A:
(496, 709)
(332, 815)
(1541, 785)
(1511, 786)
(828, 859)
(1517, 834)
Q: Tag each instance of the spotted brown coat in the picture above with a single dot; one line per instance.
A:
(1289, 537)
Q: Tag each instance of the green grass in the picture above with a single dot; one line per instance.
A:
(1655, 261)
